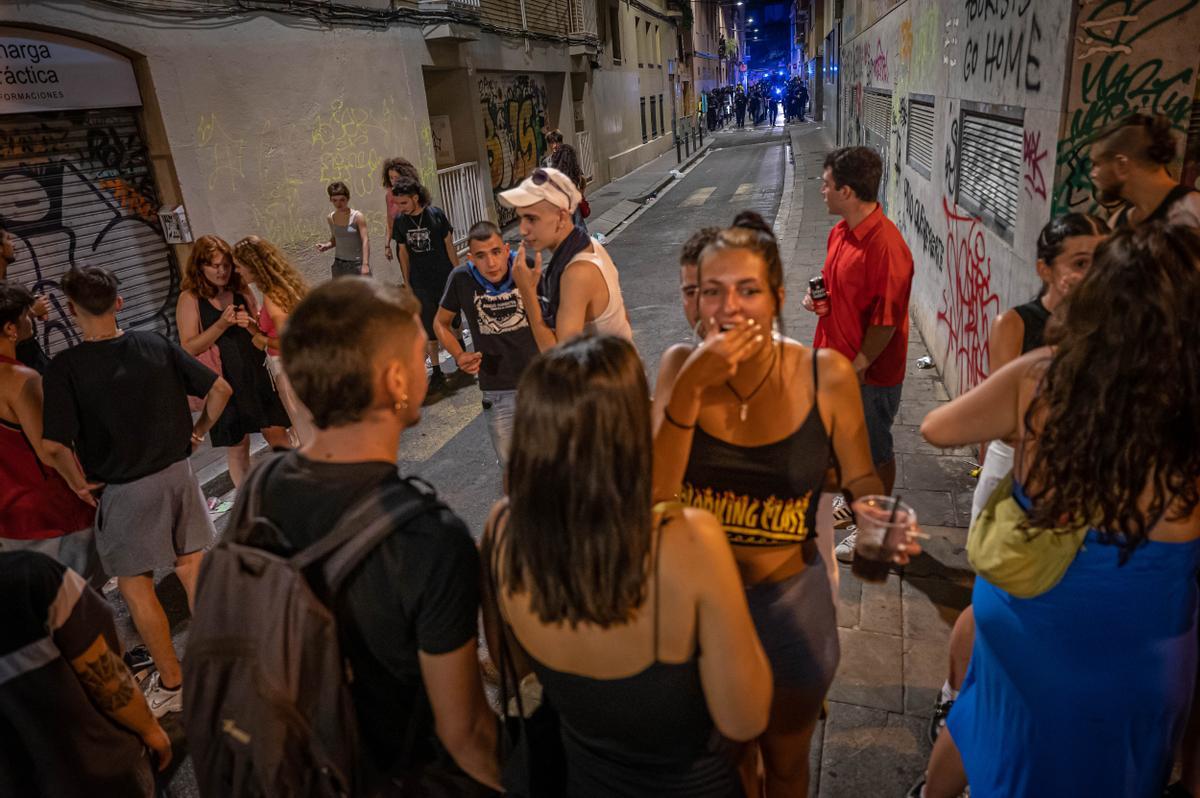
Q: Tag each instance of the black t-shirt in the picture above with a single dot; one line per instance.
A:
(53, 740)
(122, 403)
(424, 236)
(417, 591)
(499, 328)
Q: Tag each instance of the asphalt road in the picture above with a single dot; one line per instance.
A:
(450, 448)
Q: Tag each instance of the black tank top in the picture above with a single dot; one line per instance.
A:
(1035, 316)
(648, 735)
(763, 495)
(1159, 214)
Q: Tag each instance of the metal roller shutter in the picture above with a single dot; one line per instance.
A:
(920, 135)
(989, 168)
(76, 188)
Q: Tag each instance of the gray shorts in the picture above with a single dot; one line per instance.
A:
(880, 405)
(797, 625)
(149, 523)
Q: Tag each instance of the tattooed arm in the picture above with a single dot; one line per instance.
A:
(112, 689)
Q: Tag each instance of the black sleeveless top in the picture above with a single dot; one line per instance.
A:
(1035, 316)
(648, 734)
(1159, 214)
(763, 495)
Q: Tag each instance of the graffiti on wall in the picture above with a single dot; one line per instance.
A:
(1034, 155)
(1122, 73)
(968, 302)
(281, 169)
(514, 115)
(1006, 44)
(916, 221)
(67, 205)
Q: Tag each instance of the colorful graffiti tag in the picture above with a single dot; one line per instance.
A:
(67, 203)
(514, 115)
(1122, 74)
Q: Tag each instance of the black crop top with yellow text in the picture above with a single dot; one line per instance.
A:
(763, 495)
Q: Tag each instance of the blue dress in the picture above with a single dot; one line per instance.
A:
(1085, 689)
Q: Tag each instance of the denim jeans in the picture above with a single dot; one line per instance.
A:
(498, 409)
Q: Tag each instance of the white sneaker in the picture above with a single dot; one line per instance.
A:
(843, 516)
(844, 551)
(160, 699)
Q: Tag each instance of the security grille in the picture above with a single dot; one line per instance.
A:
(989, 168)
(877, 108)
(920, 134)
(76, 188)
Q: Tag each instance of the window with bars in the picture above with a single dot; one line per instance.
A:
(989, 167)
(653, 117)
(661, 125)
(920, 134)
(645, 138)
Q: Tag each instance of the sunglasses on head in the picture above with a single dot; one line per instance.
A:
(541, 177)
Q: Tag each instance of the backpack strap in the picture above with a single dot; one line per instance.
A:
(361, 529)
(248, 505)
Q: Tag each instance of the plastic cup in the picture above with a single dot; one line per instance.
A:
(883, 526)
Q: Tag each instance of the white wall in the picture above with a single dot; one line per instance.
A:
(966, 272)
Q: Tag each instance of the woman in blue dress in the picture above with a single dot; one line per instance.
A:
(1085, 689)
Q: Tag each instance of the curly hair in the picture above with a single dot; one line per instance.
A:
(1117, 414)
(275, 276)
(401, 165)
(202, 255)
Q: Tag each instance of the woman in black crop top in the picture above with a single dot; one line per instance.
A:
(632, 616)
(743, 429)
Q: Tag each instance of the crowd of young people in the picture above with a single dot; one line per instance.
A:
(662, 563)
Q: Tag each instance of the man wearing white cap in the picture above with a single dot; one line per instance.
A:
(579, 291)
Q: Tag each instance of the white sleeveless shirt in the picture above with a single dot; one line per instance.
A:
(613, 320)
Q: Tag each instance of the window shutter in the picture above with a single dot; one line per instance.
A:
(989, 168)
(920, 135)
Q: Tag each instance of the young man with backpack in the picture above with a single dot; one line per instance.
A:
(335, 628)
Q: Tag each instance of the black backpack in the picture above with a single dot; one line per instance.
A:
(266, 698)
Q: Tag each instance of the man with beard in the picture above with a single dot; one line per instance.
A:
(1129, 166)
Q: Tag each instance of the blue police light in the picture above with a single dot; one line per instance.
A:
(778, 91)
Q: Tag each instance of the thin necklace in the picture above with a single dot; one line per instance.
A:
(744, 401)
(105, 336)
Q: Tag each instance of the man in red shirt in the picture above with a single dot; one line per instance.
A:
(868, 274)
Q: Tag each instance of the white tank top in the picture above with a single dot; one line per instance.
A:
(612, 321)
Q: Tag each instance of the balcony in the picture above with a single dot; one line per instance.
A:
(450, 30)
(583, 27)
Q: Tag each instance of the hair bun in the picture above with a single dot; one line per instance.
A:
(751, 220)
(1161, 146)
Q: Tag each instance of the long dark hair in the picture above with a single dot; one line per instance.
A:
(566, 161)
(1117, 414)
(579, 533)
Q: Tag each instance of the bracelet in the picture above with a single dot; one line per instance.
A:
(197, 438)
(673, 422)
